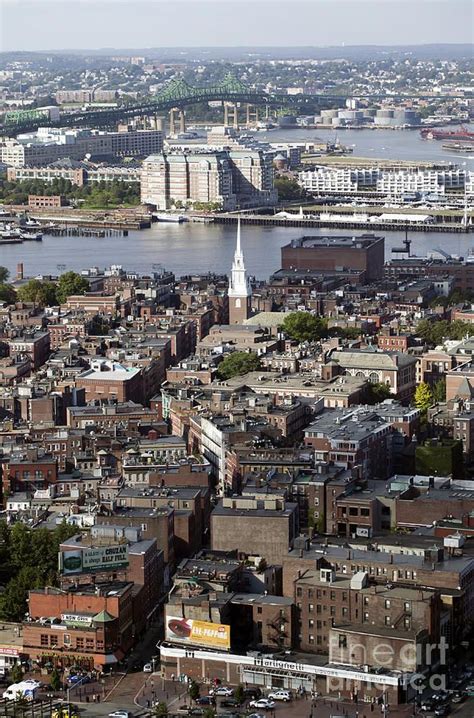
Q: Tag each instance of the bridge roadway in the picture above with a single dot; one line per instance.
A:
(176, 95)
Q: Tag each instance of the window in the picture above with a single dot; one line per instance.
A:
(80, 644)
(387, 603)
(311, 607)
(387, 621)
(353, 511)
(332, 611)
(44, 639)
(366, 616)
(310, 623)
(342, 640)
(365, 512)
(53, 640)
(259, 609)
(310, 639)
(407, 606)
(318, 608)
(299, 592)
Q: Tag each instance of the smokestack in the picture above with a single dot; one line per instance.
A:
(19, 270)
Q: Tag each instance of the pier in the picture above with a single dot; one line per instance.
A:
(298, 221)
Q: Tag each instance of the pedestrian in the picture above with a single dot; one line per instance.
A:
(172, 677)
(147, 702)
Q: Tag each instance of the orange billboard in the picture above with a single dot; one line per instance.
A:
(200, 633)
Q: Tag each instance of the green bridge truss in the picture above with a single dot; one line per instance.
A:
(178, 93)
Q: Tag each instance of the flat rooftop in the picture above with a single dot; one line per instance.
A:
(362, 241)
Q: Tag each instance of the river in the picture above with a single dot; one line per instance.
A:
(195, 247)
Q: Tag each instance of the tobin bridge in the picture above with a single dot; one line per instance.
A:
(175, 97)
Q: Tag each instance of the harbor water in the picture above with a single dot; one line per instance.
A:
(193, 247)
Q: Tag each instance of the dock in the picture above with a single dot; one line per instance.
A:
(298, 221)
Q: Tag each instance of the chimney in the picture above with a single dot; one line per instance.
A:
(19, 270)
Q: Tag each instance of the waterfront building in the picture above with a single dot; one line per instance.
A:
(335, 254)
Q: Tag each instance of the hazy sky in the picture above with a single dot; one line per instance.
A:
(94, 24)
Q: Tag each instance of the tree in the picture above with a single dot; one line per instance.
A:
(4, 274)
(377, 392)
(423, 396)
(194, 690)
(71, 283)
(160, 710)
(288, 188)
(43, 293)
(439, 390)
(209, 713)
(7, 293)
(55, 680)
(304, 327)
(16, 673)
(239, 694)
(238, 363)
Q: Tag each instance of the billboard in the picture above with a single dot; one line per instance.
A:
(75, 619)
(202, 633)
(105, 558)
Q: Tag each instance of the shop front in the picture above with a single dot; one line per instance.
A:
(342, 682)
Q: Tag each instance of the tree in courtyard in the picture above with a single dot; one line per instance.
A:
(71, 283)
(377, 392)
(4, 274)
(423, 396)
(304, 327)
(238, 363)
(55, 680)
(439, 390)
(43, 293)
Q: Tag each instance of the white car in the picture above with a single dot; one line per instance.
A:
(264, 703)
(147, 668)
(280, 696)
(222, 691)
(120, 714)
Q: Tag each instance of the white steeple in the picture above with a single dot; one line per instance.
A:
(239, 285)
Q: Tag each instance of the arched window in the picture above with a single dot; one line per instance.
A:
(373, 377)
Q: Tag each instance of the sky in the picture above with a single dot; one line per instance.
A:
(96, 24)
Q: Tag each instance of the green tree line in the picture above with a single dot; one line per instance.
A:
(97, 195)
(28, 560)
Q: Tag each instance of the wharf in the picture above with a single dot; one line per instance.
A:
(297, 221)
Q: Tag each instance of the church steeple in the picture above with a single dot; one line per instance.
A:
(239, 286)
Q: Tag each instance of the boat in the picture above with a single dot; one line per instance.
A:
(10, 232)
(431, 133)
(453, 146)
(31, 224)
(36, 236)
(164, 217)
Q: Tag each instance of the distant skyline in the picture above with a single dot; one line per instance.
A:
(98, 24)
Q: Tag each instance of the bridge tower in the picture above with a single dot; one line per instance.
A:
(231, 115)
(252, 114)
(177, 124)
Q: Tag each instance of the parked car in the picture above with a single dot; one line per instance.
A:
(221, 691)
(205, 701)
(427, 706)
(256, 715)
(252, 692)
(280, 695)
(457, 697)
(120, 714)
(264, 703)
(442, 710)
(469, 689)
(147, 668)
(229, 703)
